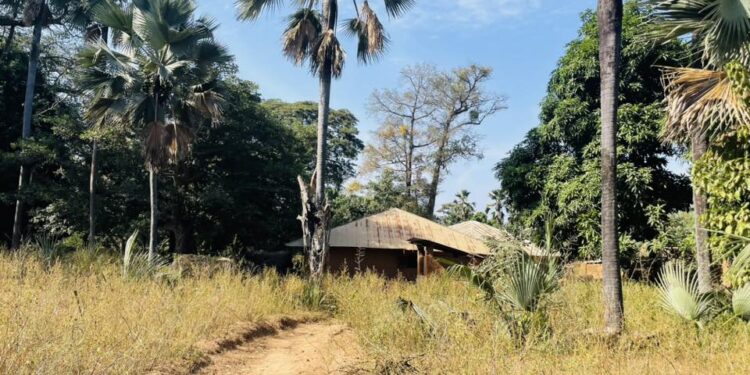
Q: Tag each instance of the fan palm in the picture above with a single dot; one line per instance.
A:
(709, 100)
(680, 293)
(159, 74)
(310, 38)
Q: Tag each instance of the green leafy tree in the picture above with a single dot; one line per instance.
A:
(459, 210)
(344, 145)
(555, 172)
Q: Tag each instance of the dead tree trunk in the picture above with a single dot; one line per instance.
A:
(315, 232)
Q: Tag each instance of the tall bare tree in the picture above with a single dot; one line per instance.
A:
(402, 138)
(609, 16)
(311, 37)
(461, 103)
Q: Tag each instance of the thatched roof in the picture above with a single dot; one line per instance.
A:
(485, 232)
(394, 228)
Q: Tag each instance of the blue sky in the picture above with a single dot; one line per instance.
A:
(521, 39)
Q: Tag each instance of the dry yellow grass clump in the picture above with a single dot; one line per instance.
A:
(62, 319)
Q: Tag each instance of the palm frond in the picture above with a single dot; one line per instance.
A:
(528, 282)
(302, 31)
(327, 52)
(252, 9)
(477, 279)
(111, 15)
(396, 8)
(371, 36)
(147, 26)
(179, 139)
(680, 294)
(741, 302)
(722, 26)
(701, 101)
(129, 247)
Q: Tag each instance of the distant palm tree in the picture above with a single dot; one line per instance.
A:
(703, 103)
(160, 75)
(609, 16)
(310, 37)
(35, 13)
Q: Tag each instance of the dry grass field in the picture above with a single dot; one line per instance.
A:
(80, 315)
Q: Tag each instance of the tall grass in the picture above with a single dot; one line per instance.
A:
(61, 320)
(468, 337)
(81, 315)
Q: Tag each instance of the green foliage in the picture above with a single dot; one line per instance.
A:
(459, 210)
(377, 196)
(552, 178)
(344, 145)
(723, 174)
(529, 281)
(519, 287)
(314, 296)
(136, 264)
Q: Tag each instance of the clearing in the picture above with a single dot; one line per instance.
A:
(325, 347)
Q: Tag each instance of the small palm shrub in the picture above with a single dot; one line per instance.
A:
(518, 286)
(47, 248)
(680, 294)
(136, 264)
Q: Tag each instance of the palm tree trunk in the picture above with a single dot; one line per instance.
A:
(93, 33)
(610, 29)
(319, 239)
(92, 196)
(154, 214)
(28, 108)
(700, 205)
(321, 152)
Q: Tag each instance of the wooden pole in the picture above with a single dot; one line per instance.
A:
(428, 261)
(420, 263)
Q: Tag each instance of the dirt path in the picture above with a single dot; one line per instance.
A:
(308, 349)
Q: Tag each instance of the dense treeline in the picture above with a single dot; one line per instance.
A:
(551, 180)
(235, 191)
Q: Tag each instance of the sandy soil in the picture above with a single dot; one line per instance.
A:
(308, 349)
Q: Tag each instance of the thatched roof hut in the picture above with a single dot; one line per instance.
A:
(488, 233)
(397, 242)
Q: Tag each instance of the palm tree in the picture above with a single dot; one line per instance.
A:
(704, 103)
(609, 16)
(159, 75)
(311, 37)
(36, 13)
(94, 32)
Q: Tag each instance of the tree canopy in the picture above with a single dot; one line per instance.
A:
(553, 174)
